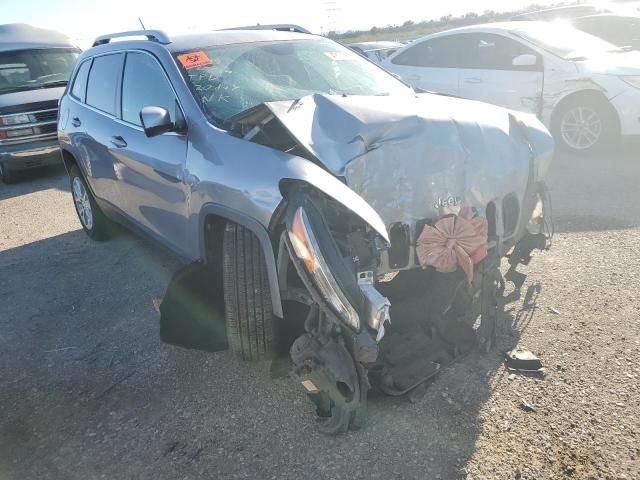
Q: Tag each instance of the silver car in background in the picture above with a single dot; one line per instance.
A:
(375, 51)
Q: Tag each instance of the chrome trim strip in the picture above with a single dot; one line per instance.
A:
(31, 112)
(28, 125)
(31, 138)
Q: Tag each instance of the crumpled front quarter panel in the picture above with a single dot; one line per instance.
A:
(245, 177)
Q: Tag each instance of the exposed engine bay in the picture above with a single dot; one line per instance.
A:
(415, 321)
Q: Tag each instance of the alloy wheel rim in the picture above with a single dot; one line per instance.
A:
(581, 128)
(83, 205)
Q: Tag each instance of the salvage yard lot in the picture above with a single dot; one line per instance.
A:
(87, 390)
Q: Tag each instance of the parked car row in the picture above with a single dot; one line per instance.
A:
(585, 90)
(375, 51)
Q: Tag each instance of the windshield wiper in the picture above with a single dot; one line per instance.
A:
(20, 88)
(57, 83)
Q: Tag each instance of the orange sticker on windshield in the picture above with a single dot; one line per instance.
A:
(194, 60)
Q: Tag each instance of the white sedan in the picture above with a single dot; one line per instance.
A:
(585, 90)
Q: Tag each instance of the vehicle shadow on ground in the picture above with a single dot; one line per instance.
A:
(35, 180)
(91, 389)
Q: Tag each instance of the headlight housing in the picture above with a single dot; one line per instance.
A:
(306, 248)
(633, 80)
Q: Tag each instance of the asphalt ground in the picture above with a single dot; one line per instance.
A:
(87, 390)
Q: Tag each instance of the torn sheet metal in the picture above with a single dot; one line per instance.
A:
(404, 155)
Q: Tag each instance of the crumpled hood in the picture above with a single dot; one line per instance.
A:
(627, 63)
(407, 155)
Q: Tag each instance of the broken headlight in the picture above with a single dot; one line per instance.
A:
(306, 248)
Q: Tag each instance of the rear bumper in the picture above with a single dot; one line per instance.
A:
(30, 155)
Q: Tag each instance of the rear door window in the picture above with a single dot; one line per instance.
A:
(79, 89)
(103, 82)
(448, 51)
(144, 84)
(488, 51)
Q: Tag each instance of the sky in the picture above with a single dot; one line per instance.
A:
(84, 20)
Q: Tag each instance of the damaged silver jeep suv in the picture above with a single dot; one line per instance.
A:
(326, 212)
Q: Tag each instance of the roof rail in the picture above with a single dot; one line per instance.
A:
(281, 27)
(153, 35)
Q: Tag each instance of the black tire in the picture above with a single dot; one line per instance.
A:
(247, 296)
(597, 109)
(7, 176)
(99, 228)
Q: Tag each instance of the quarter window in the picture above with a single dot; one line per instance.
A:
(144, 84)
(103, 82)
(80, 83)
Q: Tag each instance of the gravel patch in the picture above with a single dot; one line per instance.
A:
(87, 390)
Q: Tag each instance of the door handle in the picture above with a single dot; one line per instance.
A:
(118, 141)
(75, 121)
(166, 176)
(473, 80)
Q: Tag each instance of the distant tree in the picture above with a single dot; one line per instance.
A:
(411, 29)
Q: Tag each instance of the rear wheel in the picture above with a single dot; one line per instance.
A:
(247, 296)
(93, 221)
(584, 125)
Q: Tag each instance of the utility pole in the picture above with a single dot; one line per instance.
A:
(331, 10)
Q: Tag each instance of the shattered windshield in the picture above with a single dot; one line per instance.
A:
(31, 69)
(565, 41)
(234, 78)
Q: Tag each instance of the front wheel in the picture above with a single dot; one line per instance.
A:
(247, 297)
(93, 221)
(7, 176)
(584, 125)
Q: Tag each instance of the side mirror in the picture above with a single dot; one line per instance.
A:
(525, 60)
(156, 121)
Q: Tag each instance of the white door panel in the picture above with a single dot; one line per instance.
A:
(518, 90)
(441, 80)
